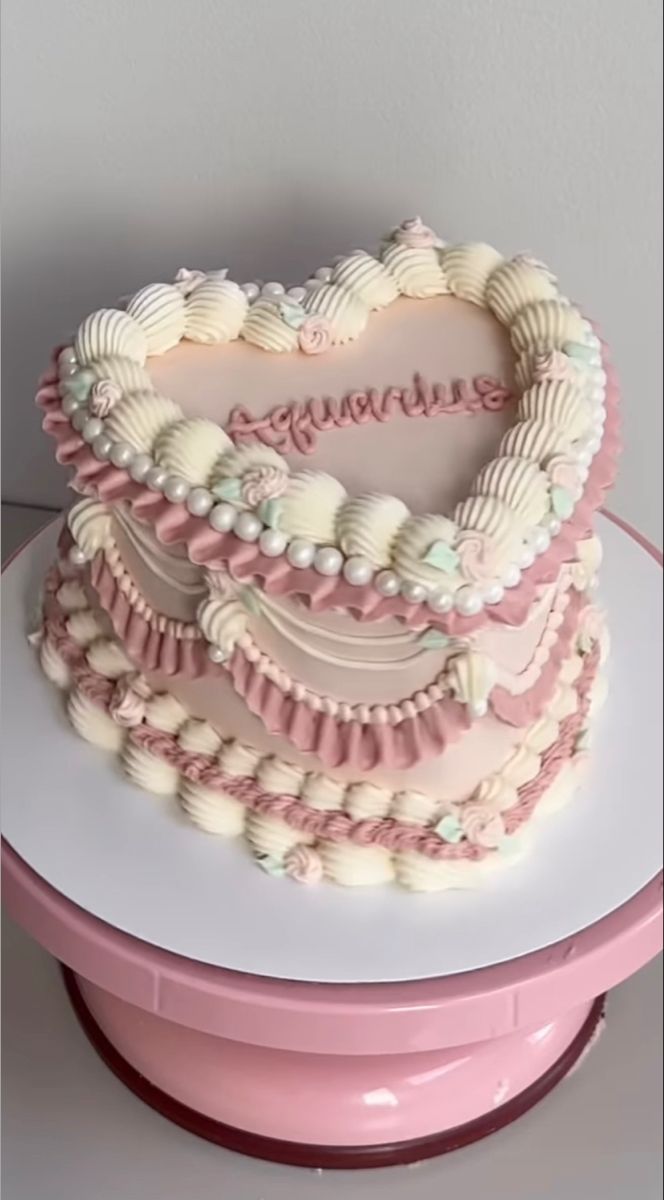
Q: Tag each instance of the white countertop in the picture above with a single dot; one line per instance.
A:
(71, 1131)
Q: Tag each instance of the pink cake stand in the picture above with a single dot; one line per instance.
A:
(335, 1075)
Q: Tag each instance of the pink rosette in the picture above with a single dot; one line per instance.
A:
(552, 365)
(591, 628)
(414, 234)
(315, 335)
(127, 705)
(476, 556)
(563, 472)
(263, 482)
(104, 396)
(528, 260)
(303, 864)
(185, 280)
(482, 826)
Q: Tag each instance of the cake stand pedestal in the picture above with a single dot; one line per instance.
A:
(318, 1074)
(334, 1075)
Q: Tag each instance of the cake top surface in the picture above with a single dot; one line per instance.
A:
(412, 428)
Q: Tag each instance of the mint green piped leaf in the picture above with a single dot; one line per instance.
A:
(293, 314)
(227, 489)
(250, 600)
(442, 556)
(270, 513)
(449, 829)
(577, 350)
(432, 639)
(270, 865)
(562, 502)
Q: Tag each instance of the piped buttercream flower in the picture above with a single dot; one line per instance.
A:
(185, 280)
(563, 471)
(315, 335)
(263, 482)
(552, 365)
(127, 706)
(529, 260)
(303, 864)
(414, 234)
(104, 396)
(482, 826)
(591, 628)
(477, 560)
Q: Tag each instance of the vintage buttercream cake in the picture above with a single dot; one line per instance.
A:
(328, 580)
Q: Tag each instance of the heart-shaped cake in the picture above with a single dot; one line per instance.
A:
(329, 581)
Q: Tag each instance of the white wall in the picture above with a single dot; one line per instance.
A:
(140, 135)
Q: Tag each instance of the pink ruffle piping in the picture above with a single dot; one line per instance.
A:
(172, 524)
(329, 826)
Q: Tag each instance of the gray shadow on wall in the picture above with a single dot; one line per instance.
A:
(75, 264)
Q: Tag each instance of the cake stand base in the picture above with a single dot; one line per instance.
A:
(158, 1047)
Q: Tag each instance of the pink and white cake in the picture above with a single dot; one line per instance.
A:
(328, 581)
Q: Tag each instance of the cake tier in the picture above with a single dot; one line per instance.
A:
(333, 591)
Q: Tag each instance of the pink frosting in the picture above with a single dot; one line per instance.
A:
(553, 365)
(295, 426)
(336, 743)
(303, 864)
(104, 396)
(331, 826)
(263, 482)
(173, 524)
(414, 234)
(314, 335)
(482, 826)
(127, 704)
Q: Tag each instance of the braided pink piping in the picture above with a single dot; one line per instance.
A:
(329, 826)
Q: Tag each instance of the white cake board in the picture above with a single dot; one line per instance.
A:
(136, 862)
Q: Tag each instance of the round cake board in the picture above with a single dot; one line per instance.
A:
(134, 861)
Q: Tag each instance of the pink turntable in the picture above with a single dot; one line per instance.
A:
(289, 1026)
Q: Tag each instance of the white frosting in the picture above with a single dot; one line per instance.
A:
(368, 525)
(107, 658)
(71, 596)
(515, 284)
(345, 311)
(215, 311)
(367, 279)
(140, 419)
(365, 801)
(92, 723)
(417, 272)
(280, 778)
(130, 376)
(519, 484)
(468, 267)
(355, 866)
(53, 664)
(558, 402)
(212, 809)
(110, 333)
(265, 327)
(546, 324)
(167, 563)
(238, 759)
(271, 836)
(90, 524)
(159, 309)
(309, 506)
(84, 627)
(190, 448)
(149, 772)
(323, 793)
(234, 462)
(199, 737)
(471, 676)
(533, 439)
(166, 713)
(222, 622)
(415, 538)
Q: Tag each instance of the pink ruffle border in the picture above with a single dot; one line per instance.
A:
(172, 524)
